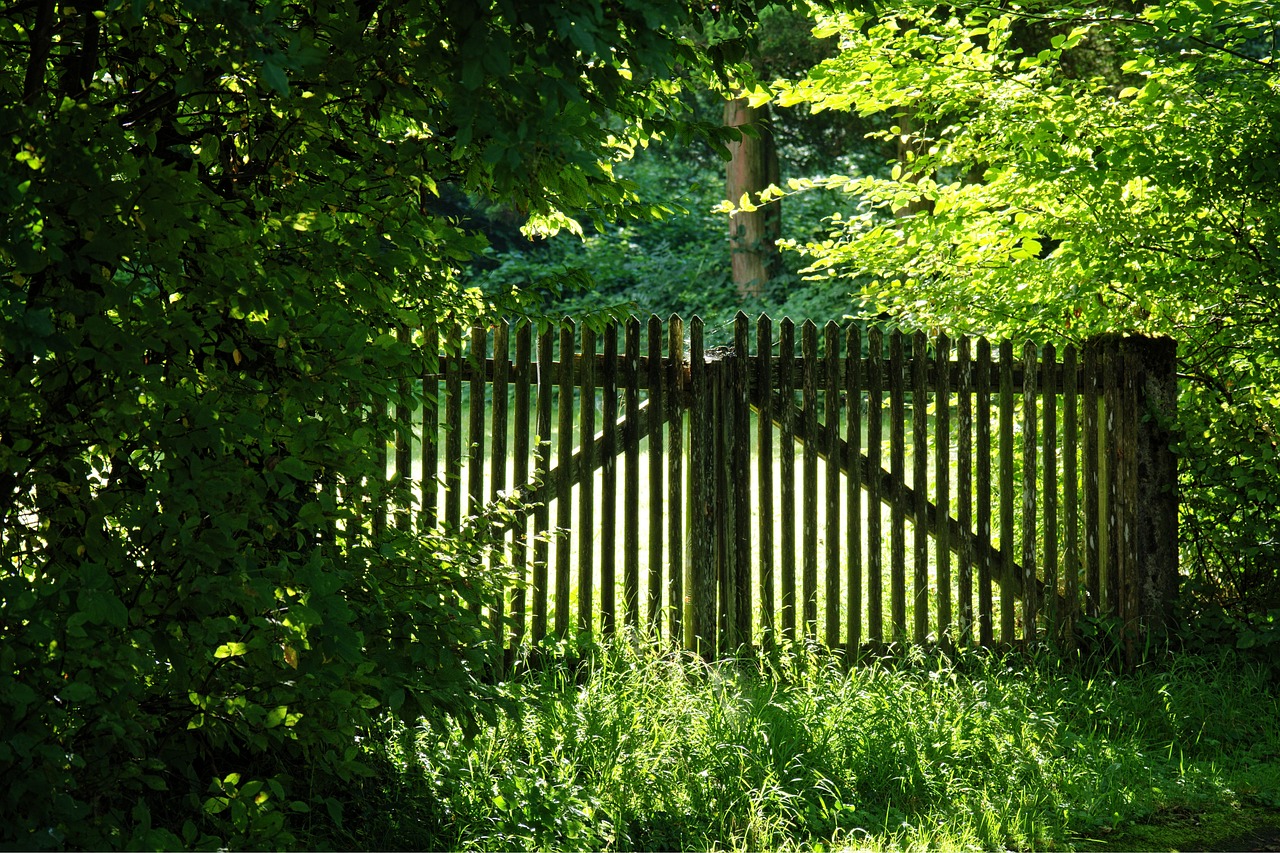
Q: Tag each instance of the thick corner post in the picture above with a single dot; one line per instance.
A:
(1155, 398)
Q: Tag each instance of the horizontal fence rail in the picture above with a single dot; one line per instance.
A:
(841, 484)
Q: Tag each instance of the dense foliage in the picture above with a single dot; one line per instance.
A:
(221, 226)
(1065, 170)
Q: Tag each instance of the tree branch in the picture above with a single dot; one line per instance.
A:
(41, 43)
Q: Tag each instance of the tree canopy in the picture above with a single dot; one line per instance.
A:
(220, 234)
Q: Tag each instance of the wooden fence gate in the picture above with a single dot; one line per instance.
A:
(956, 492)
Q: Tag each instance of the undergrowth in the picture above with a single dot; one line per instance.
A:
(641, 750)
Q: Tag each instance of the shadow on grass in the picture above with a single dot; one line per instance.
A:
(1222, 829)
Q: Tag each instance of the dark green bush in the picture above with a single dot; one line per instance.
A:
(183, 601)
(219, 226)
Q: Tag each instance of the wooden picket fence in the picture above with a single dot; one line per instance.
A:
(825, 486)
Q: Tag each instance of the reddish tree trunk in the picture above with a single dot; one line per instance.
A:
(753, 237)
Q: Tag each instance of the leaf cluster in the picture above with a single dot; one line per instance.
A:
(1066, 170)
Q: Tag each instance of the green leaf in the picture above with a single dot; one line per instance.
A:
(472, 76)
(78, 692)
(274, 76)
(228, 650)
(334, 807)
(294, 467)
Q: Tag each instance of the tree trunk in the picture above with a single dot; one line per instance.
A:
(911, 146)
(753, 236)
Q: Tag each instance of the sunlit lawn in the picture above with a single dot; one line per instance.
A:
(638, 750)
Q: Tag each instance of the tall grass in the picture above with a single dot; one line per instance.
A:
(636, 749)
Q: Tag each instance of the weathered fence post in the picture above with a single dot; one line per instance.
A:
(1156, 514)
(675, 479)
(700, 588)
(1138, 486)
(721, 499)
(739, 404)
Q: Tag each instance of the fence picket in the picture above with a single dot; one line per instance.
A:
(609, 482)
(564, 484)
(1006, 494)
(787, 463)
(740, 488)
(986, 615)
(853, 493)
(542, 512)
(831, 436)
(654, 432)
(1049, 479)
(1111, 550)
(724, 501)
(404, 443)
(519, 474)
(587, 491)
(1093, 483)
(764, 472)
(675, 480)
(1070, 498)
(1030, 606)
(875, 443)
(1129, 499)
(898, 467)
(809, 450)
(942, 477)
(430, 432)
(453, 430)
(498, 463)
(701, 483)
(964, 485)
(475, 422)
(920, 484)
(631, 476)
